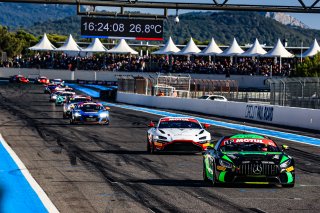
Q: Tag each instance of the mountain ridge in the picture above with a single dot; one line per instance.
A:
(223, 26)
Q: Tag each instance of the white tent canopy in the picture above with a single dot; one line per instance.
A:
(169, 48)
(95, 46)
(211, 49)
(278, 51)
(69, 46)
(234, 49)
(255, 50)
(44, 44)
(190, 49)
(122, 48)
(313, 50)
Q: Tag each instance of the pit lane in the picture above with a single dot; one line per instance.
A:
(88, 168)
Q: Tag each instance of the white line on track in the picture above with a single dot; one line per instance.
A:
(33, 183)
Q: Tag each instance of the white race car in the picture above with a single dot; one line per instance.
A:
(54, 95)
(178, 134)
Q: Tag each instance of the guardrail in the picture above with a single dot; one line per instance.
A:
(244, 81)
(278, 115)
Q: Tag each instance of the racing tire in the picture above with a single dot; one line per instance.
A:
(148, 147)
(72, 122)
(152, 151)
(64, 116)
(214, 180)
(288, 185)
(204, 175)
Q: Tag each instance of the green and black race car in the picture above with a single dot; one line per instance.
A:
(248, 159)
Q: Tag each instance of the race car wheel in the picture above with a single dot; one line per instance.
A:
(288, 185)
(71, 121)
(151, 148)
(204, 175)
(148, 147)
(214, 180)
(64, 116)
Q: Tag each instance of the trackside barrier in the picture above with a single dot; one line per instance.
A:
(91, 75)
(278, 115)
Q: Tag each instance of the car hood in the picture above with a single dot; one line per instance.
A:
(179, 132)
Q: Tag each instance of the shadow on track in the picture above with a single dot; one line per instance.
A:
(140, 152)
(201, 183)
(172, 182)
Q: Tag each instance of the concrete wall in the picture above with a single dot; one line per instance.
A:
(245, 81)
(288, 116)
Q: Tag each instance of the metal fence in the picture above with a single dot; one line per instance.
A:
(177, 85)
(295, 92)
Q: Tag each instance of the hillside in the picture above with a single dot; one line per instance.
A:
(16, 15)
(223, 26)
(244, 26)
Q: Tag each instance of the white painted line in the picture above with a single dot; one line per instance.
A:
(33, 183)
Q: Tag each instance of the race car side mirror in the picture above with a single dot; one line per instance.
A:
(151, 124)
(285, 147)
(206, 126)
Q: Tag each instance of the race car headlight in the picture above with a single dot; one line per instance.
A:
(285, 164)
(162, 138)
(225, 164)
(77, 114)
(103, 115)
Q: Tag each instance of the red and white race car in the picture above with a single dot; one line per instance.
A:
(178, 134)
(42, 80)
(18, 79)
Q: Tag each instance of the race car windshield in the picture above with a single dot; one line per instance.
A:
(90, 108)
(203, 97)
(179, 124)
(250, 147)
(76, 100)
(66, 94)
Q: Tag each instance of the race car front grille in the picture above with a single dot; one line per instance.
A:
(257, 169)
(91, 119)
(183, 147)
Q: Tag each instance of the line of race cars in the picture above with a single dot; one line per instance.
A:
(240, 158)
(80, 109)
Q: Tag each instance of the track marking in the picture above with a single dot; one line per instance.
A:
(50, 207)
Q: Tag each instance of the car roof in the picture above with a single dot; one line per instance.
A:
(165, 119)
(90, 103)
(247, 135)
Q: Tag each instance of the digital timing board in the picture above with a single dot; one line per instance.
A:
(138, 29)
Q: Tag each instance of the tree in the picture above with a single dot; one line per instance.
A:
(309, 68)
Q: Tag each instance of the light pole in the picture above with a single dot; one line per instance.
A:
(301, 51)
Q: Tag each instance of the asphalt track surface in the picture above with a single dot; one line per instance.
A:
(93, 168)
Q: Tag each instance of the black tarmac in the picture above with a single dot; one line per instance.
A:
(93, 168)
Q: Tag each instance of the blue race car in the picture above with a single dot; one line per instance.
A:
(71, 102)
(90, 113)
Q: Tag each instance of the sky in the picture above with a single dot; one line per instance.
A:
(311, 20)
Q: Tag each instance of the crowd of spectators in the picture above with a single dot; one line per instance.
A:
(239, 66)
(65, 62)
(176, 64)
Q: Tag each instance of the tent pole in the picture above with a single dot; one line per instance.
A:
(280, 64)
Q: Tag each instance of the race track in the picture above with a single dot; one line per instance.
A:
(92, 168)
